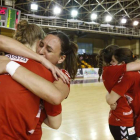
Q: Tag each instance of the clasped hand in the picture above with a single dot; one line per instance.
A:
(113, 106)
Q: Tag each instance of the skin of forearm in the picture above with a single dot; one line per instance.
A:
(62, 87)
(48, 91)
(54, 122)
(108, 98)
(12, 46)
(133, 66)
(112, 97)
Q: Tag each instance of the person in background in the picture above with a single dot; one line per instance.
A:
(110, 75)
(127, 86)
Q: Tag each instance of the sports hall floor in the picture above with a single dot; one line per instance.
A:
(85, 114)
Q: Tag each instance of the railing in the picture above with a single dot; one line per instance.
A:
(77, 25)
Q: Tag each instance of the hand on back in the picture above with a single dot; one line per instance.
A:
(113, 106)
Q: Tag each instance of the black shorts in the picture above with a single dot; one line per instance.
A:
(121, 132)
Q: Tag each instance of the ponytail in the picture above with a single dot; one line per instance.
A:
(70, 63)
(19, 34)
(105, 57)
(28, 33)
(100, 63)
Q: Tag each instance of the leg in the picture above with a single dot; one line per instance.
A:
(115, 131)
(122, 132)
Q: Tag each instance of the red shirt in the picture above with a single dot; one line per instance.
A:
(130, 84)
(122, 115)
(18, 106)
(49, 109)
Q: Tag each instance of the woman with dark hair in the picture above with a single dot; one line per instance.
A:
(121, 119)
(68, 52)
(127, 85)
(56, 47)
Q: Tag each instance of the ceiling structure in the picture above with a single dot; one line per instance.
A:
(130, 9)
(118, 9)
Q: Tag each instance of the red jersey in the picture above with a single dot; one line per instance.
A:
(49, 109)
(19, 108)
(129, 85)
(122, 115)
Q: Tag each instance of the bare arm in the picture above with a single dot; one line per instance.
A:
(12, 46)
(133, 66)
(53, 93)
(112, 97)
(62, 87)
(53, 121)
(41, 87)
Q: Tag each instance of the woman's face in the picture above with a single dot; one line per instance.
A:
(50, 48)
(113, 61)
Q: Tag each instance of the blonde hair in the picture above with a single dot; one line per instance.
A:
(27, 33)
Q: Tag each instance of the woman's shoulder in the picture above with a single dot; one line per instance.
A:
(114, 70)
(110, 67)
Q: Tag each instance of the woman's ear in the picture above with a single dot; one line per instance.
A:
(62, 59)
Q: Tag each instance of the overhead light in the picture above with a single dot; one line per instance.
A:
(108, 18)
(56, 10)
(74, 13)
(34, 6)
(9, 2)
(93, 16)
(123, 20)
(135, 23)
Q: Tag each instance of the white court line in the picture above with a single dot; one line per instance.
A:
(61, 132)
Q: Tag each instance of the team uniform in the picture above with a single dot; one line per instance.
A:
(120, 119)
(47, 109)
(129, 84)
(19, 108)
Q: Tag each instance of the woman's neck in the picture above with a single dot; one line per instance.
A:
(28, 46)
(33, 47)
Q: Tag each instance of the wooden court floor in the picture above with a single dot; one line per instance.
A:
(85, 115)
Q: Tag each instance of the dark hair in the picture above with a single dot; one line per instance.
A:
(28, 33)
(2, 53)
(124, 54)
(69, 49)
(105, 56)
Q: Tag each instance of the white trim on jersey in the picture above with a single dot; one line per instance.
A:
(31, 131)
(39, 113)
(17, 58)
